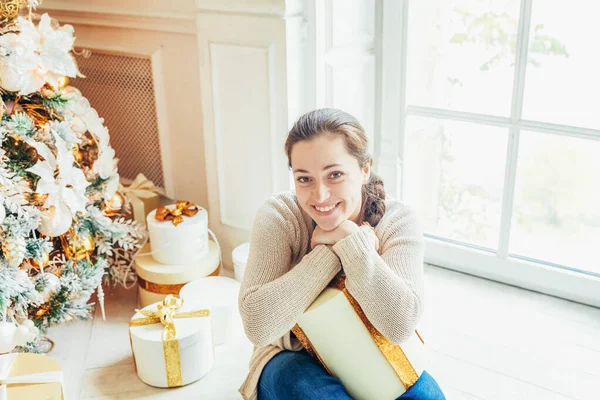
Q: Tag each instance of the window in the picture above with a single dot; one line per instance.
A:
(498, 136)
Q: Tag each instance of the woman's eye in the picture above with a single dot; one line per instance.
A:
(303, 179)
(336, 175)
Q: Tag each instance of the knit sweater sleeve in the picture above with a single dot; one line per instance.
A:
(388, 287)
(273, 294)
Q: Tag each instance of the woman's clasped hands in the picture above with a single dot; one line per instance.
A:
(342, 231)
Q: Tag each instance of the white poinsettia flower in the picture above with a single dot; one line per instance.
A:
(36, 55)
(111, 186)
(44, 169)
(55, 47)
(68, 186)
(106, 165)
(19, 60)
(63, 129)
(95, 125)
(70, 93)
(76, 124)
(80, 107)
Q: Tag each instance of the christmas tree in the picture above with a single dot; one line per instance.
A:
(61, 226)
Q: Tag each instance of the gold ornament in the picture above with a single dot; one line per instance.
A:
(63, 82)
(114, 205)
(10, 8)
(77, 247)
(45, 261)
(78, 157)
(14, 251)
(41, 311)
(31, 153)
(77, 153)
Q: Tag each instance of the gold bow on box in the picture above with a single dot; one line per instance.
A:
(165, 314)
(143, 196)
(176, 215)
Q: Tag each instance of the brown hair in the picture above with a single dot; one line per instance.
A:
(336, 122)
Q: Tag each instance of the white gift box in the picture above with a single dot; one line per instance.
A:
(185, 243)
(164, 362)
(335, 330)
(156, 280)
(219, 295)
(239, 256)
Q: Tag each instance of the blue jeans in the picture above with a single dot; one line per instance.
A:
(294, 375)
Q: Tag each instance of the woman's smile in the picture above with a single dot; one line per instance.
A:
(324, 210)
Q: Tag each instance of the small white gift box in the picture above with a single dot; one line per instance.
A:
(171, 343)
(219, 295)
(239, 256)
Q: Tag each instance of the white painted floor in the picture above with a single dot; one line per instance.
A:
(485, 340)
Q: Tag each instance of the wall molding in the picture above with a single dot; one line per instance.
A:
(273, 8)
(127, 19)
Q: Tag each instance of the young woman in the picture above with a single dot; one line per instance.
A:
(337, 219)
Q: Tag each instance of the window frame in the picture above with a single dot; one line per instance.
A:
(537, 275)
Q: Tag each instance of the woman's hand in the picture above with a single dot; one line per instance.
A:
(330, 238)
(371, 231)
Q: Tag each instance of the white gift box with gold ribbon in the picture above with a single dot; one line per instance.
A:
(171, 343)
(335, 330)
(178, 233)
(156, 280)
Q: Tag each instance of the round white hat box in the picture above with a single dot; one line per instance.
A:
(240, 259)
(156, 280)
(220, 295)
(195, 342)
(185, 243)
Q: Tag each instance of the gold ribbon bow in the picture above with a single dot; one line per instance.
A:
(141, 187)
(176, 215)
(165, 315)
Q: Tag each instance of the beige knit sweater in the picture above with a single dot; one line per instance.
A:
(283, 276)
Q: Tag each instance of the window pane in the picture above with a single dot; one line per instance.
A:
(461, 54)
(562, 85)
(453, 176)
(556, 211)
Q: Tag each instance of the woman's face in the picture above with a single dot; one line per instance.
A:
(328, 180)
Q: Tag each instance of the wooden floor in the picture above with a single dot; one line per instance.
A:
(485, 340)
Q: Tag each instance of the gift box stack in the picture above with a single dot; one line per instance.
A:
(179, 251)
(187, 307)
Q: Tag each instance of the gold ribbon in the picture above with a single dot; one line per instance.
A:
(393, 353)
(163, 288)
(165, 314)
(176, 215)
(141, 187)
